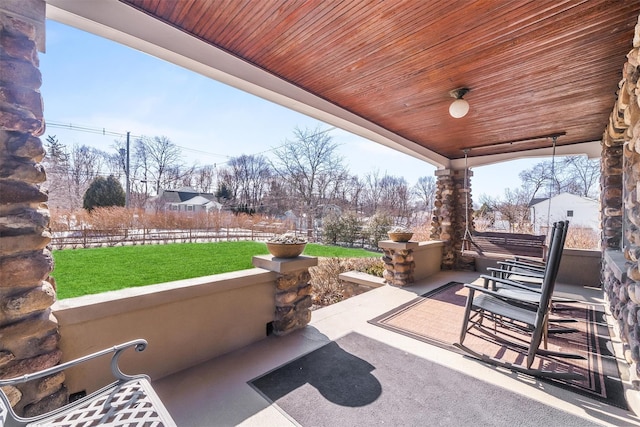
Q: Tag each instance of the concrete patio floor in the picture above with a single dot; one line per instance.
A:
(217, 393)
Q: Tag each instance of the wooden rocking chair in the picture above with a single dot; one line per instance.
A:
(518, 313)
(517, 278)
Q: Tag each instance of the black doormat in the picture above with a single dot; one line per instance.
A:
(436, 318)
(358, 381)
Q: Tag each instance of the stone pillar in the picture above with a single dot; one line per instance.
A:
(449, 220)
(611, 189)
(292, 292)
(28, 330)
(620, 198)
(399, 264)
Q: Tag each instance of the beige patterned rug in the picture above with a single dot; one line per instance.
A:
(436, 318)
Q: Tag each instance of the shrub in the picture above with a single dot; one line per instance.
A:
(341, 229)
(103, 192)
(377, 228)
(582, 238)
(328, 289)
(422, 232)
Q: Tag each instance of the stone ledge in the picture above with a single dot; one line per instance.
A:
(398, 246)
(362, 279)
(423, 246)
(616, 262)
(284, 265)
(115, 303)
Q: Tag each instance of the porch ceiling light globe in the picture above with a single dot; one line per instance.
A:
(459, 108)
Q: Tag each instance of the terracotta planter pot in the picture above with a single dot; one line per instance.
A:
(285, 250)
(400, 237)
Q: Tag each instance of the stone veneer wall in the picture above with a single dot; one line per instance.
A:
(620, 198)
(399, 262)
(28, 330)
(292, 290)
(448, 222)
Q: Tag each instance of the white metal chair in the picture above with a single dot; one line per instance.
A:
(129, 401)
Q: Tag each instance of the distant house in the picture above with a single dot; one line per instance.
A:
(581, 212)
(186, 199)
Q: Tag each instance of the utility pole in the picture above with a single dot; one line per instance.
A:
(126, 172)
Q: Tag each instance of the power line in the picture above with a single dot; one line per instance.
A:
(103, 131)
(86, 129)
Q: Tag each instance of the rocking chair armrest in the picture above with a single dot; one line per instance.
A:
(517, 264)
(117, 350)
(501, 272)
(507, 298)
(507, 282)
(517, 258)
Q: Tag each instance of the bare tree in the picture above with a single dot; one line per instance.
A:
(373, 192)
(204, 178)
(353, 193)
(539, 178)
(56, 163)
(583, 175)
(574, 174)
(251, 175)
(425, 191)
(70, 171)
(515, 209)
(161, 155)
(227, 191)
(307, 163)
(278, 197)
(395, 197)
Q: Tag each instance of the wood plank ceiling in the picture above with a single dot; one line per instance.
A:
(534, 68)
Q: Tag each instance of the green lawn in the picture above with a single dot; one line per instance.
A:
(90, 271)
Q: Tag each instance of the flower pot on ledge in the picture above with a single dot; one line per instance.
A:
(400, 236)
(285, 250)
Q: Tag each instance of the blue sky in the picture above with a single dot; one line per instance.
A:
(93, 82)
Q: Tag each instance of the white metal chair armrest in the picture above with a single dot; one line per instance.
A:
(129, 401)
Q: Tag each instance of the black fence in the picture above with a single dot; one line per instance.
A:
(91, 238)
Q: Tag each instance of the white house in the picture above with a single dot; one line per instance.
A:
(185, 199)
(195, 204)
(581, 212)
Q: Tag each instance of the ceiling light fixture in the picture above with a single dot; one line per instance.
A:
(460, 107)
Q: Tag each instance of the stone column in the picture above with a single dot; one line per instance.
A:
(399, 264)
(28, 330)
(449, 220)
(611, 164)
(292, 292)
(620, 198)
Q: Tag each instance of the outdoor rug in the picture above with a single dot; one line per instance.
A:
(436, 318)
(359, 381)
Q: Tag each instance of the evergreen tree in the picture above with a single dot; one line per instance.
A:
(103, 192)
(56, 151)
